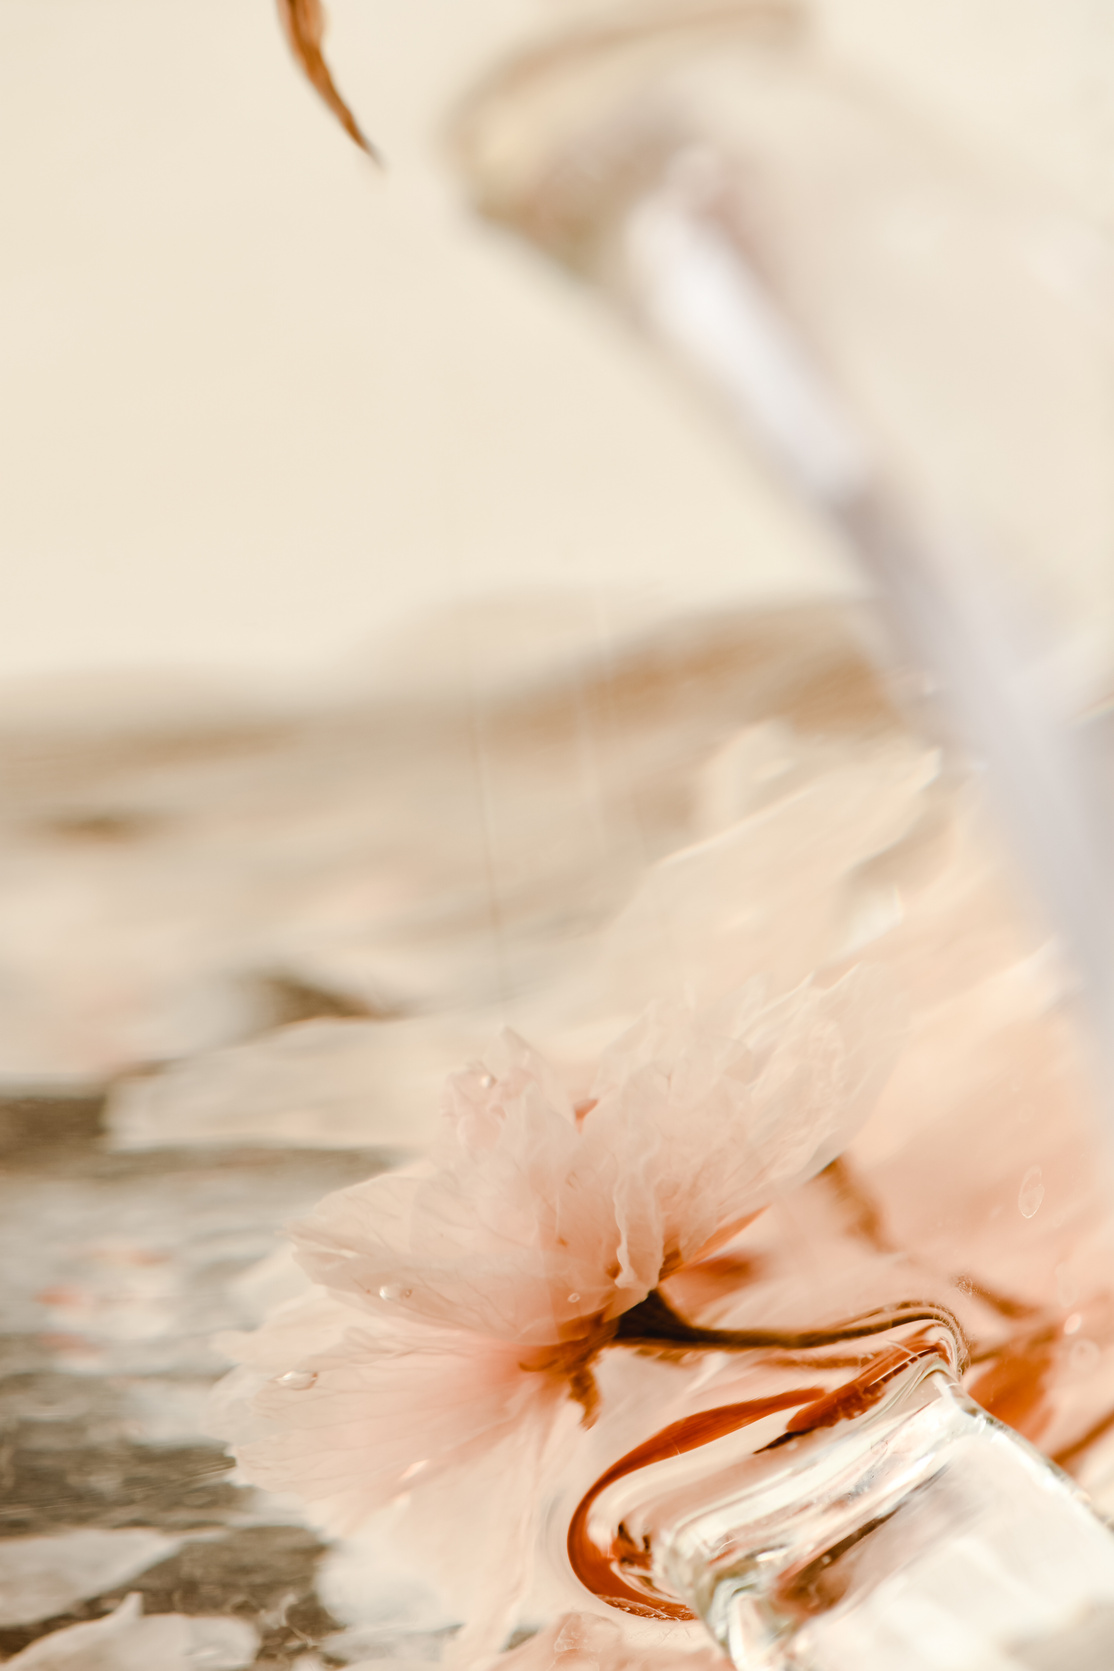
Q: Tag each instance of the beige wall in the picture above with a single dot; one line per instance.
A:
(257, 402)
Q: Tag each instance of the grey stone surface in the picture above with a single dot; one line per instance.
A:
(115, 1271)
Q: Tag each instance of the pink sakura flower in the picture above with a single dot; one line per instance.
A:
(462, 1304)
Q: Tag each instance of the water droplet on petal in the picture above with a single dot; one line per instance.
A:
(487, 1080)
(1067, 1288)
(1084, 1356)
(573, 1298)
(394, 1291)
(296, 1380)
(415, 1468)
(1032, 1192)
(1073, 1324)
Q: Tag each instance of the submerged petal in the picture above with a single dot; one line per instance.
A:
(511, 1232)
(579, 1641)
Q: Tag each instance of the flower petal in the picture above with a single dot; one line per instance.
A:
(712, 1113)
(348, 1415)
(511, 1233)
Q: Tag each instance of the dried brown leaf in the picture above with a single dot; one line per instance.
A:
(304, 23)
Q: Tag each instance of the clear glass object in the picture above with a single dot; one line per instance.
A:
(831, 1424)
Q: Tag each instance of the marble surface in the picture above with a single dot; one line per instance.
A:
(116, 1270)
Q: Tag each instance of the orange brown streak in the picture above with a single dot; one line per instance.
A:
(1003, 1304)
(571, 1364)
(1014, 1389)
(1071, 1453)
(855, 1397)
(863, 1211)
(591, 1566)
(697, 1285)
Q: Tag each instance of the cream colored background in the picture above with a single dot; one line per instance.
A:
(258, 401)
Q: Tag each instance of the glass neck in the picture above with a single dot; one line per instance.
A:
(659, 158)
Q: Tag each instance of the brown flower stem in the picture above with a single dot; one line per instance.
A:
(655, 1323)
